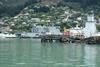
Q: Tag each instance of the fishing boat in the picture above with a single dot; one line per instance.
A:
(7, 35)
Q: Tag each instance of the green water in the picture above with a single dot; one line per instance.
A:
(33, 53)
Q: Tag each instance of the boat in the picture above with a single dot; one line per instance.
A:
(29, 35)
(7, 35)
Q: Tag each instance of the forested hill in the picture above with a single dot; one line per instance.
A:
(85, 2)
(13, 7)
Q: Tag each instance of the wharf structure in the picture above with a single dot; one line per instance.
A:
(88, 34)
(41, 31)
(48, 33)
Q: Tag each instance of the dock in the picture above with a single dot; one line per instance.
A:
(59, 38)
(52, 38)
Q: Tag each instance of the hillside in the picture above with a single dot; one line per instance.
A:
(13, 7)
(35, 14)
(23, 16)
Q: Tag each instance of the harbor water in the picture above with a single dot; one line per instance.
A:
(33, 53)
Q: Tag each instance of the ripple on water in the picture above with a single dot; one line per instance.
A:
(63, 64)
(89, 65)
(21, 63)
(48, 62)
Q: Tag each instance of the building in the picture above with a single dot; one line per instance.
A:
(76, 31)
(46, 30)
(90, 26)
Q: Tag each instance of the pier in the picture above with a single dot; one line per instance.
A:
(50, 38)
(60, 38)
(54, 38)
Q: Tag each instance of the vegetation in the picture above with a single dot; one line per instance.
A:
(98, 28)
(63, 14)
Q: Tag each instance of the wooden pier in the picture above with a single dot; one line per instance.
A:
(53, 38)
(59, 38)
(50, 38)
(68, 39)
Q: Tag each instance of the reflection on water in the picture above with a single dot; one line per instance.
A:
(32, 53)
(90, 56)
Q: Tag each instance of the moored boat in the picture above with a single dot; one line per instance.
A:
(7, 35)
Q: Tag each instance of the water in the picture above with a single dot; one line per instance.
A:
(33, 53)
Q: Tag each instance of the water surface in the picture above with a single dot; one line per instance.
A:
(33, 53)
